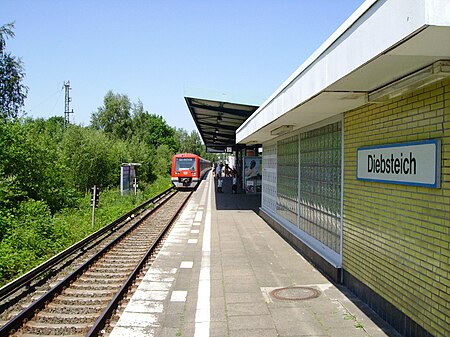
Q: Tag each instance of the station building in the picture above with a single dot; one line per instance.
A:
(356, 160)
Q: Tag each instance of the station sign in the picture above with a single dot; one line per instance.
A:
(414, 163)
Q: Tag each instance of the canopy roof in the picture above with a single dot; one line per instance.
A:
(386, 46)
(217, 118)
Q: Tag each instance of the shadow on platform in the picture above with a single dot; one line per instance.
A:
(240, 201)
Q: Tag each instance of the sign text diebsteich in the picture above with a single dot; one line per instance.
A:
(415, 163)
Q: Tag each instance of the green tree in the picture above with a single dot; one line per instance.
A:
(46, 136)
(87, 155)
(114, 117)
(163, 160)
(142, 153)
(189, 142)
(181, 136)
(19, 162)
(195, 143)
(30, 167)
(152, 129)
(12, 91)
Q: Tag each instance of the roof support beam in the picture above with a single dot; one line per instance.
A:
(222, 109)
(221, 126)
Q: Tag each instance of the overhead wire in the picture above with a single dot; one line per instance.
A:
(45, 99)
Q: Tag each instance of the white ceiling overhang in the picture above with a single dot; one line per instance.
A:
(381, 42)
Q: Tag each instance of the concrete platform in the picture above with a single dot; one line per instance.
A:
(216, 273)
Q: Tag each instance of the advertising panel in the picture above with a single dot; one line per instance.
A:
(128, 177)
(124, 179)
(252, 174)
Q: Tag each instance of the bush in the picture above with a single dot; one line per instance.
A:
(28, 241)
(46, 172)
(34, 234)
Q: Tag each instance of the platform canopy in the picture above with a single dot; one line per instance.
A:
(384, 49)
(218, 116)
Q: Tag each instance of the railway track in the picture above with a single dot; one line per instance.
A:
(82, 301)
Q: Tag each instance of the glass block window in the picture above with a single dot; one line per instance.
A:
(269, 178)
(320, 184)
(287, 179)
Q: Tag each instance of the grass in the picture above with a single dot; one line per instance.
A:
(32, 242)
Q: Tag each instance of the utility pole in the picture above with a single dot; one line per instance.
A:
(67, 101)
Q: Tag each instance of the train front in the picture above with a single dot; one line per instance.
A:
(185, 171)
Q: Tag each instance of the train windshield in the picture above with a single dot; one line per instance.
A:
(185, 164)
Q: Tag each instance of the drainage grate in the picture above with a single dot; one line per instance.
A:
(295, 293)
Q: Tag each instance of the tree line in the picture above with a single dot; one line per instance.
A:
(47, 168)
(42, 159)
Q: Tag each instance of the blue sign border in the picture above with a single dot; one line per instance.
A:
(437, 179)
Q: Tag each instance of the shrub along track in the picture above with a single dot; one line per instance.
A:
(83, 301)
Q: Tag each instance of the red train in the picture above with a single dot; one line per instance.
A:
(188, 169)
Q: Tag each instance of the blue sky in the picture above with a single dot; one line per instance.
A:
(152, 50)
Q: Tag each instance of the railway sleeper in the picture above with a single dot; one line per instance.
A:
(120, 254)
(135, 254)
(114, 269)
(96, 286)
(40, 335)
(40, 329)
(90, 292)
(26, 304)
(74, 318)
(132, 249)
(116, 262)
(99, 279)
(11, 315)
(55, 308)
(125, 255)
(37, 294)
(143, 234)
(65, 300)
(144, 239)
(102, 275)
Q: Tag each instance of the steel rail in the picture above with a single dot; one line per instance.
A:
(113, 304)
(33, 274)
(15, 323)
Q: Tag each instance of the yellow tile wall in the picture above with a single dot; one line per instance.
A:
(396, 237)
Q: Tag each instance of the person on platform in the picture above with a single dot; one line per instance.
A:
(218, 171)
(234, 185)
(219, 184)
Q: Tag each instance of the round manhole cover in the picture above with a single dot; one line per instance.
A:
(295, 293)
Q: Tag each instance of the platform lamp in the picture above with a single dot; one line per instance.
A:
(435, 72)
(281, 130)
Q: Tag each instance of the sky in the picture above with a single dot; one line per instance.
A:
(154, 50)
